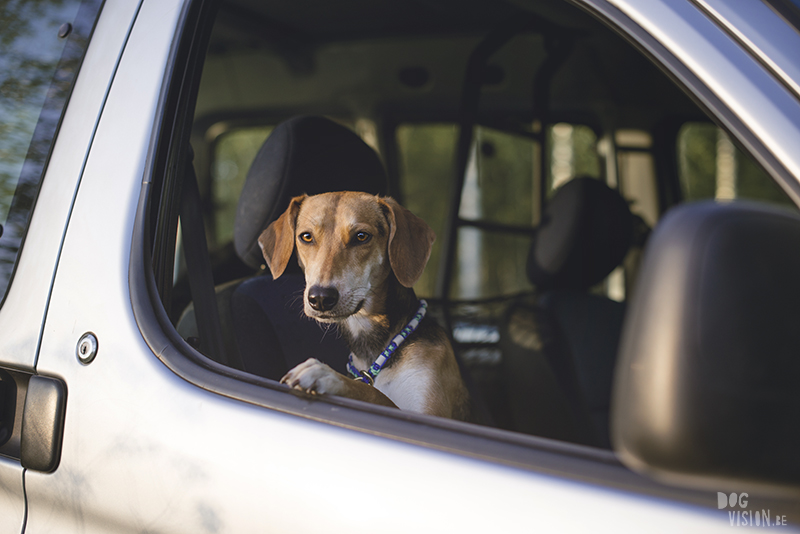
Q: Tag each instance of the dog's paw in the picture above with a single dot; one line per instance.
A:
(314, 377)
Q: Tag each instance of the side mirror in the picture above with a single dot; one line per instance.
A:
(707, 390)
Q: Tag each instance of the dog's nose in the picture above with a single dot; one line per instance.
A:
(322, 298)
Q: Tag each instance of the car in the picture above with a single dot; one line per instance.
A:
(614, 185)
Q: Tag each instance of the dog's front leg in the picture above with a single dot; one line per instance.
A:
(315, 377)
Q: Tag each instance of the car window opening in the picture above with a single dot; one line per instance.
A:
(499, 133)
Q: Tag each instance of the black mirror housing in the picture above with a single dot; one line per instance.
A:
(707, 390)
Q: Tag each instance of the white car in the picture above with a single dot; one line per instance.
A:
(621, 379)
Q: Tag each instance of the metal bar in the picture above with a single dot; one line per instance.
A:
(470, 98)
(498, 227)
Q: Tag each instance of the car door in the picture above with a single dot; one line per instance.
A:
(158, 438)
(42, 49)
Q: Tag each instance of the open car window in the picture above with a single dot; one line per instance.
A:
(563, 104)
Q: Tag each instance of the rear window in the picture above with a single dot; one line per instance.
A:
(41, 47)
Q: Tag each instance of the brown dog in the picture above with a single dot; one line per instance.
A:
(360, 255)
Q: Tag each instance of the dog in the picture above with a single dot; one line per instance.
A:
(361, 254)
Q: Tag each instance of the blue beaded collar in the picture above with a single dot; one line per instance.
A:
(371, 373)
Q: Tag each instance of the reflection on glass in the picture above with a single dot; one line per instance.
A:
(41, 46)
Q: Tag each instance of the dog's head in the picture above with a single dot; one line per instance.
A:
(347, 244)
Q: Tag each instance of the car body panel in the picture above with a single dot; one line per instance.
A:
(764, 33)
(12, 496)
(25, 305)
(146, 450)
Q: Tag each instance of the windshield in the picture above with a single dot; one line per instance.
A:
(41, 46)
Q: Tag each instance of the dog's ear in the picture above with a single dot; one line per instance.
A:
(277, 241)
(410, 242)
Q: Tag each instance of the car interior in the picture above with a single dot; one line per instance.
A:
(540, 145)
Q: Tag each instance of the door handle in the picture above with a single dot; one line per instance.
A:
(43, 423)
(32, 411)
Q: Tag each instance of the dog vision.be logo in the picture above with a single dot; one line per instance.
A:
(740, 516)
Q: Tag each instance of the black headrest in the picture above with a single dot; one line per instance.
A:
(308, 155)
(585, 232)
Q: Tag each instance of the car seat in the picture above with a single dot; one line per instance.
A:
(559, 348)
(264, 328)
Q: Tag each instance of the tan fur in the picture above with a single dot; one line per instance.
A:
(423, 375)
(410, 241)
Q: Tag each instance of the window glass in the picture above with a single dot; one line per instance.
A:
(573, 152)
(712, 167)
(499, 185)
(637, 174)
(490, 264)
(234, 152)
(637, 184)
(41, 47)
(500, 188)
(636, 179)
(427, 155)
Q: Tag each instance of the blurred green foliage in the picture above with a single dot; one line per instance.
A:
(234, 151)
(427, 157)
(697, 163)
(500, 188)
(505, 166)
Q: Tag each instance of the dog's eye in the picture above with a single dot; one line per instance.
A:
(306, 237)
(362, 237)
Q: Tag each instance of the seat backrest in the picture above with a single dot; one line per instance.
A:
(585, 233)
(305, 154)
(308, 155)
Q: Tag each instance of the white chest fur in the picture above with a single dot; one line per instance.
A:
(405, 385)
